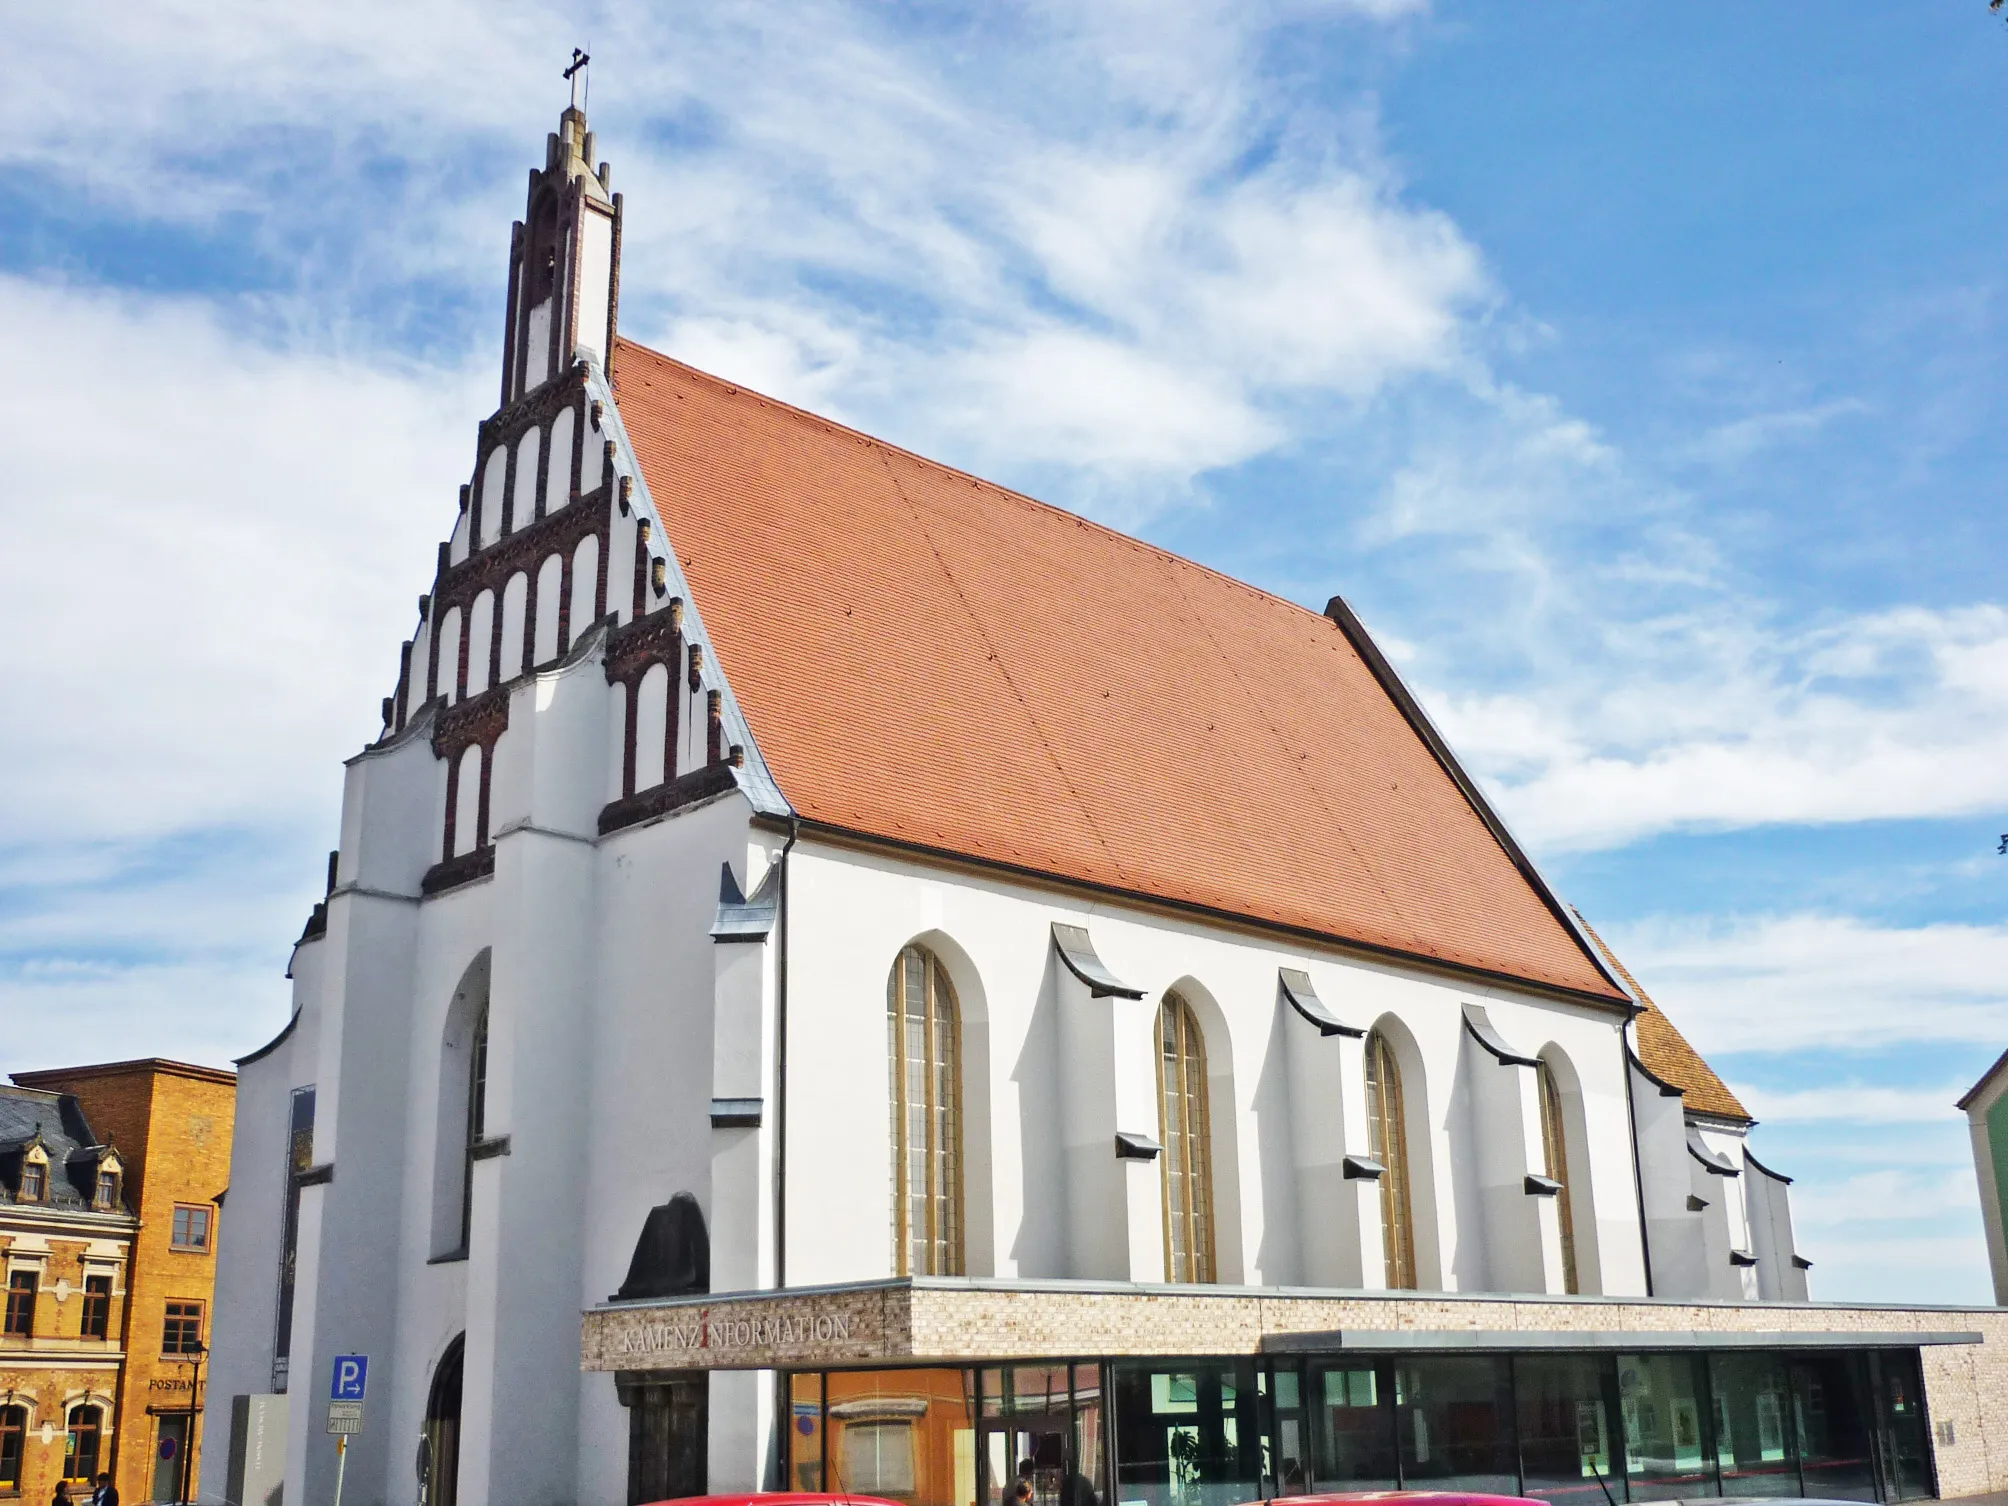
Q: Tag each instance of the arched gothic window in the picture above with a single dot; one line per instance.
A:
(923, 1047)
(1387, 1143)
(477, 1120)
(1186, 1129)
(1555, 1148)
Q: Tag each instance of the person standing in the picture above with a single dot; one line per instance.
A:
(62, 1495)
(107, 1494)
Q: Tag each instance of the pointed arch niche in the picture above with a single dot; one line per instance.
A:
(462, 1108)
(1200, 1164)
(938, 1086)
(1398, 1136)
(1565, 1144)
(440, 1485)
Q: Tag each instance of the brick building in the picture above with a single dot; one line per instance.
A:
(66, 1232)
(169, 1126)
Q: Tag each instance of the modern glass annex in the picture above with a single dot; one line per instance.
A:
(1587, 1429)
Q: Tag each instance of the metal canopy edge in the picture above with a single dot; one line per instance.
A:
(1631, 1341)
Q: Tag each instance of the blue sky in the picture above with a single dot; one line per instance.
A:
(1635, 372)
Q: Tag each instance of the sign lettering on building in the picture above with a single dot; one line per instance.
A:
(731, 1335)
(703, 1331)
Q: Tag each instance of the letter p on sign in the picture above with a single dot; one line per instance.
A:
(351, 1377)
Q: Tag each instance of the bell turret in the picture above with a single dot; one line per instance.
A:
(564, 264)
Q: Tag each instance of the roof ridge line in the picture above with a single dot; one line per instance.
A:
(1038, 730)
(1297, 764)
(741, 388)
(1340, 612)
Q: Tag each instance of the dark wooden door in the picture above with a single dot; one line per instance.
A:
(669, 1417)
(439, 1454)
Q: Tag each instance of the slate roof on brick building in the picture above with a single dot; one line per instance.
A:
(66, 1137)
(929, 659)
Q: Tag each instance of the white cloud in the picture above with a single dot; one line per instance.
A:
(212, 546)
(1711, 719)
(205, 1010)
(1870, 1196)
(1893, 1233)
(1056, 256)
(1047, 252)
(1079, 399)
(218, 512)
(173, 946)
(1775, 983)
(1851, 1103)
(1734, 442)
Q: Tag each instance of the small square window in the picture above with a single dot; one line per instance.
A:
(191, 1227)
(181, 1333)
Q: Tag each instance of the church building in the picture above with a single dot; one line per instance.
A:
(839, 975)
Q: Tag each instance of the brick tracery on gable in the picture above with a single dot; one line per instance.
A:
(556, 537)
(516, 588)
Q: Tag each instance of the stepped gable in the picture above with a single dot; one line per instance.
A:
(1668, 1056)
(927, 658)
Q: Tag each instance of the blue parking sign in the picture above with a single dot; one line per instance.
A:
(351, 1377)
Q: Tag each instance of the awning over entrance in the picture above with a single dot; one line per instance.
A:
(976, 1321)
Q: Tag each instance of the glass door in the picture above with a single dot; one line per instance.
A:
(1041, 1436)
(1902, 1438)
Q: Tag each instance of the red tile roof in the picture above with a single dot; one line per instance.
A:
(1669, 1057)
(926, 658)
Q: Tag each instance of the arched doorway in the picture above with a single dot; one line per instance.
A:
(439, 1446)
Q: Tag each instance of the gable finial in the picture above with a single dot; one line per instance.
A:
(580, 59)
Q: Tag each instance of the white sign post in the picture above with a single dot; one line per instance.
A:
(345, 1409)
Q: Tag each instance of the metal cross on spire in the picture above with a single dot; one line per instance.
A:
(579, 61)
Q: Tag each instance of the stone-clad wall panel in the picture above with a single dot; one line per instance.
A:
(1966, 1385)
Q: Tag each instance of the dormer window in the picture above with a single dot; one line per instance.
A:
(107, 1199)
(34, 1182)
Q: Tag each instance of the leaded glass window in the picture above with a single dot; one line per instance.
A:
(477, 1122)
(1387, 1143)
(1555, 1147)
(923, 1047)
(1186, 1131)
